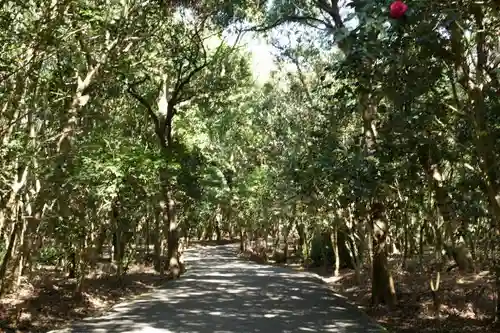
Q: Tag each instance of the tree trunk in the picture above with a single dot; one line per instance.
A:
(12, 215)
(277, 237)
(173, 265)
(406, 238)
(242, 240)
(383, 290)
(218, 233)
(335, 243)
(101, 238)
(4, 283)
(158, 266)
(302, 238)
(117, 237)
(81, 263)
(286, 234)
(21, 255)
(147, 231)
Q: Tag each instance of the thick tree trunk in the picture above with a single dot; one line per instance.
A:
(169, 217)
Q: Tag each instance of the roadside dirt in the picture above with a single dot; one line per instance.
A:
(467, 299)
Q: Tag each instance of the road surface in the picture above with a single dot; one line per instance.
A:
(223, 294)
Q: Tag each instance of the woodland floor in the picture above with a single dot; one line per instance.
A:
(467, 298)
(49, 301)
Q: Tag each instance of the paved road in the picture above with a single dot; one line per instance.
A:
(222, 294)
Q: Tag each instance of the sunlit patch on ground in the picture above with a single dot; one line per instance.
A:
(467, 299)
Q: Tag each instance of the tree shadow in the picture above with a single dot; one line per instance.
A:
(466, 306)
(54, 304)
(222, 294)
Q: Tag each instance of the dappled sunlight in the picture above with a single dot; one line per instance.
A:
(233, 297)
(212, 281)
(220, 274)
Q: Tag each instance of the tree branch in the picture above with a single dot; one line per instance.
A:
(146, 105)
(176, 94)
(307, 20)
(333, 10)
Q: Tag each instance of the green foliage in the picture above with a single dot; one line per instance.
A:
(293, 150)
(49, 255)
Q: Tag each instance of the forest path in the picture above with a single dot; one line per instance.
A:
(221, 293)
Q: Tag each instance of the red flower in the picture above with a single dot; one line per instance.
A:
(398, 9)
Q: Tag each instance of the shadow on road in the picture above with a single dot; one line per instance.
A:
(220, 294)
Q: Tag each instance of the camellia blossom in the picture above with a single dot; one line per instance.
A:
(398, 9)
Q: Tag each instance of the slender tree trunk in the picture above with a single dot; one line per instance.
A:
(302, 238)
(21, 255)
(147, 230)
(4, 283)
(157, 240)
(12, 214)
(335, 243)
(242, 240)
(383, 290)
